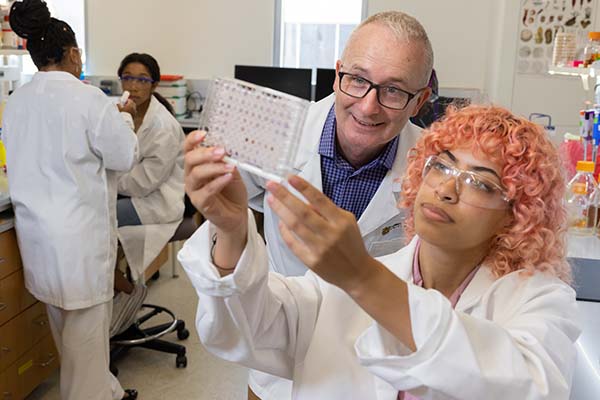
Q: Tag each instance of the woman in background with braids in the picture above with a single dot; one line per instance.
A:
(65, 143)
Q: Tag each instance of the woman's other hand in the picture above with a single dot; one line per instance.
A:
(325, 237)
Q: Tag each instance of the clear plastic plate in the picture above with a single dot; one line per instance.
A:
(259, 128)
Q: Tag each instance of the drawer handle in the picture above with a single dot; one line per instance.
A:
(41, 320)
(3, 306)
(49, 361)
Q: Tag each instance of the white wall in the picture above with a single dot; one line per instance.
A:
(196, 38)
(474, 43)
(459, 31)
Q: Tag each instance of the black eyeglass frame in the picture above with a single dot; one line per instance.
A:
(376, 87)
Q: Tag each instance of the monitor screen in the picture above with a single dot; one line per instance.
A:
(325, 79)
(294, 81)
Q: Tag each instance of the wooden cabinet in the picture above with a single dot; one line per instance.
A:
(27, 352)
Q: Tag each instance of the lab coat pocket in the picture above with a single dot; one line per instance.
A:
(386, 239)
(385, 247)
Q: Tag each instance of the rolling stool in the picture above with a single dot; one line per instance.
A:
(138, 335)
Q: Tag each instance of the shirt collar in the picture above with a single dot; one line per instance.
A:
(327, 143)
(54, 76)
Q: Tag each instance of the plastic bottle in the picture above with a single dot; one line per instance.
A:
(9, 38)
(591, 52)
(582, 213)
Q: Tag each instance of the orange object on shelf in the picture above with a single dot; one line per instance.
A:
(171, 77)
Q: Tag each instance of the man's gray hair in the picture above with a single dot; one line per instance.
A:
(405, 28)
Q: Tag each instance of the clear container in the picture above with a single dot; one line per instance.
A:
(582, 213)
(591, 51)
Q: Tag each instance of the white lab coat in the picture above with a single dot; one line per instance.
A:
(380, 223)
(510, 338)
(64, 142)
(155, 186)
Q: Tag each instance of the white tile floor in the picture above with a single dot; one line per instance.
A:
(154, 374)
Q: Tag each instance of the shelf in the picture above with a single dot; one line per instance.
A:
(571, 71)
(5, 203)
(587, 247)
(583, 73)
(13, 52)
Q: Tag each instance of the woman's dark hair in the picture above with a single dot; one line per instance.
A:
(47, 37)
(152, 66)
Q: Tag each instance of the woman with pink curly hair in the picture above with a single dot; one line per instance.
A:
(476, 306)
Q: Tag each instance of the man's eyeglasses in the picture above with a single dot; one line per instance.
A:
(142, 80)
(388, 96)
(472, 188)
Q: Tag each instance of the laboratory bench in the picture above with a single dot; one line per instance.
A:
(27, 352)
(189, 123)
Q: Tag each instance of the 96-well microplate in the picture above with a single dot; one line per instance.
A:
(259, 128)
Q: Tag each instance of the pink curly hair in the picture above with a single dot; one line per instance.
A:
(534, 240)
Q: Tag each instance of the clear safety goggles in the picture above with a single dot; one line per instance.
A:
(471, 187)
(140, 80)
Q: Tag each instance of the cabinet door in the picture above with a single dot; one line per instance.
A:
(9, 386)
(21, 333)
(10, 260)
(30, 370)
(44, 358)
(14, 298)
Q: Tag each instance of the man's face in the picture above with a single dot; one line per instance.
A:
(377, 55)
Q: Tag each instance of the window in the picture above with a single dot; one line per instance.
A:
(70, 11)
(313, 33)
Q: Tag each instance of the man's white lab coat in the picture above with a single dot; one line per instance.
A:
(380, 223)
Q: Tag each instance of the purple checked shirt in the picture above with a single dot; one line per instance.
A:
(349, 188)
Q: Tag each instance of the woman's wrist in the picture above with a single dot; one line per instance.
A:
(228, 247)
(361, 285)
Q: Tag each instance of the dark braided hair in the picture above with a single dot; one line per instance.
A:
(152, 66)
(47, 37)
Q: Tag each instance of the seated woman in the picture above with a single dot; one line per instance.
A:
(151, 194)
(477, 305)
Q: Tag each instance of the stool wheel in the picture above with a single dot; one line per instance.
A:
(181, 362)
(183, 334)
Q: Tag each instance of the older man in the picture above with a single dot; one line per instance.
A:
(355, 145)
(358, 139)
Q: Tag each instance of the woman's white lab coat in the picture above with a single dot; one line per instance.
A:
(155, 185)
(380, 223)
(64, 142)
(510, 338)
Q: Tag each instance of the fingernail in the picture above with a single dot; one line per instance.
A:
(219, 151)
(198, 136)
(229, 167)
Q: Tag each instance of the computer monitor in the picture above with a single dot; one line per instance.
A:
(294, 81)
(325, 79)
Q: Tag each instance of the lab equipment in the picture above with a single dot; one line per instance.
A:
(325, 80)
(581, 213)
(259, 128)
(294, 81)
(124, 98)
(174, 89)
